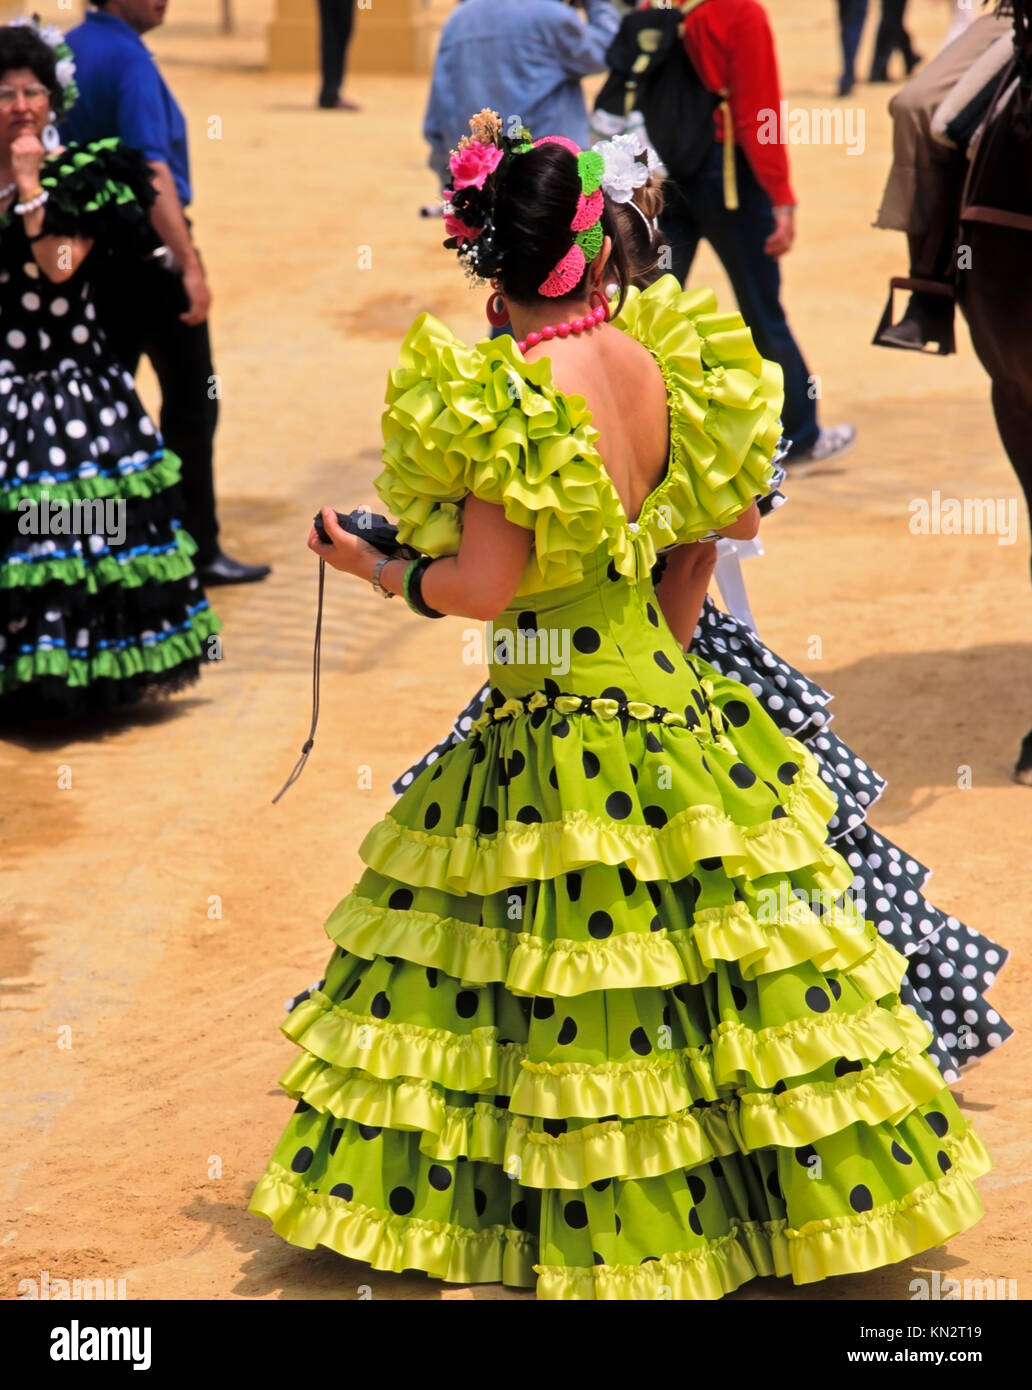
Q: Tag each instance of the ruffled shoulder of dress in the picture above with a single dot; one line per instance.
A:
(103, 188)
(479, 419)
(725, 412)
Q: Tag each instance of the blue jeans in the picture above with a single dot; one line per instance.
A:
(852, 14)
(695, 210)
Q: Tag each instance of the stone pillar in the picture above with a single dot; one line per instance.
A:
(389, 35)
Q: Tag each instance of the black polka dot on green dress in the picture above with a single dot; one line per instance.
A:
(335, 1139)
(369, 1131)
(381, 1005)
(431, 815)
(817, 1000)
(640, 1042)
(663, 662)
(586, 640)
(344, 1190)
(573, 887)
(554, 1127)
(900, 1154)
(736, 712)
(575, 1214)
(439, 1177)
(655, 816)
(466, 1003)
(591, 763)
(543, 1008)
(401, 1201)
(567, 1032)
(938, 1122)
(600, 925)
(860, 1198)
(302, 1160)
(487, 820)
(618, 805)
(400, 900)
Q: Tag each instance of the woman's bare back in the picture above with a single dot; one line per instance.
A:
(626, 394)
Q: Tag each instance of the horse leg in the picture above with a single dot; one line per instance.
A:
(1013, 411)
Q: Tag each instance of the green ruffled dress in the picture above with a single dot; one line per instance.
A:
(578, 1027)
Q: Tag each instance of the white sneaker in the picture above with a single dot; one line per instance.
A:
(827, 445)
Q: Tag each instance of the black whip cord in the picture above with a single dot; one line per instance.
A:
(306, 747)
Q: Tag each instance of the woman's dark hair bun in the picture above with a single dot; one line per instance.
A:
(533, 201)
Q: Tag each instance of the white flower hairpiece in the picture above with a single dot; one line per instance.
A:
(65, 59)
(625, 170)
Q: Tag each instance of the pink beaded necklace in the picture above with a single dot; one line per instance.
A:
(565, 330)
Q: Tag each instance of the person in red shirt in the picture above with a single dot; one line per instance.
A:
(731, 47)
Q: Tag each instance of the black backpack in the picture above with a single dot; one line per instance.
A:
(652, 82)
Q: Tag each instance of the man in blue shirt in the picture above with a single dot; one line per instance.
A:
(521, 58)
(146, 308)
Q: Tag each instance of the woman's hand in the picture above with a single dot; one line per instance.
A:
(347, 553)
(27, 155)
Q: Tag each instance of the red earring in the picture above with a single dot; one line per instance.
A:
(497, 311)
(598, 300)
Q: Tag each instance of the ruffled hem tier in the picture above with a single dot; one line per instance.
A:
(930, 1214)
(469, 862)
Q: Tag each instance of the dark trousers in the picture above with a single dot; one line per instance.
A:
(336, 18)
(695, 210)
(852, 16)
(891, 35)
(139, 304)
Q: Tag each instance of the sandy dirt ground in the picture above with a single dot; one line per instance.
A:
(139, 1034)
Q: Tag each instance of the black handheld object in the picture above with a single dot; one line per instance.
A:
(370, 526)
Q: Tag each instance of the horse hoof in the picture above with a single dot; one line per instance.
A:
(1023, 770)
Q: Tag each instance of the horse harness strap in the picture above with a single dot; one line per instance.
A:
(1000, 217)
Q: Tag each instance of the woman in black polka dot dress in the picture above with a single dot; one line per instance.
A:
(602, 1013)
(99, 602)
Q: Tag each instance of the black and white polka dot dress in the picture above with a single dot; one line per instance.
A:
(951, 966)
(99, 601)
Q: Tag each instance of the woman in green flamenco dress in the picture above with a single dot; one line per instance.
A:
(600, 1014)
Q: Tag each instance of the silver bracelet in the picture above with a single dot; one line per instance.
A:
(33, 204)
(386, 593)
